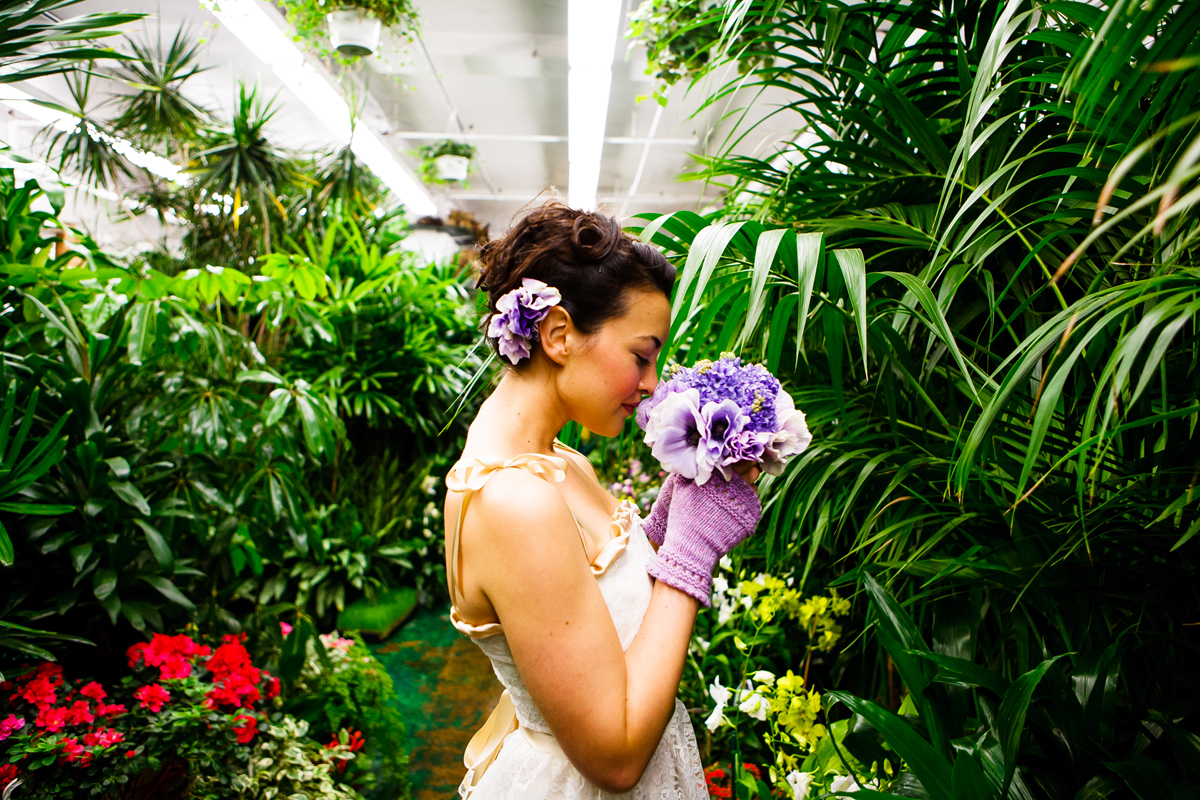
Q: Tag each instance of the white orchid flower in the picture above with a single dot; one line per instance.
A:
(800, 782)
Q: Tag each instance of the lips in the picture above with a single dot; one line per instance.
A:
(630, 409)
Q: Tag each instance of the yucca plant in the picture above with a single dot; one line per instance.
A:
(1004, 398)
(156, 113)
(241, 170)
(87, 148)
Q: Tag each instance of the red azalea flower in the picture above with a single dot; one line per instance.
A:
(235, 679)
(94, 691)
(245, 732)
(104, 737)
(11, 723)
(79, 713)
(130, 753)
(52, 719)
(173, 655)
(134, 654)
(8, 774)
(40, 691)
(152, 696)
(272, 686)
(103, 710)
(75, 752)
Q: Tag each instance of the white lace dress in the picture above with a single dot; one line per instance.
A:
(529, 764)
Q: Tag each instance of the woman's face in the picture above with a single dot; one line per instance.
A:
(604, 381)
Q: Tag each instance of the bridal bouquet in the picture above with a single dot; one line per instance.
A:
(709, 417)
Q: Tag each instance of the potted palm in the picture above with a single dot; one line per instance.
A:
(353, 26)
(446, 162)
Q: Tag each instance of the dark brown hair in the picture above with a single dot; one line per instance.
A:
(583, 254)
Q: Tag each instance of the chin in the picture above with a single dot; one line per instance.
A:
(609, 428)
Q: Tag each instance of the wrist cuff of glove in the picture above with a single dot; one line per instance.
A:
(682, 577)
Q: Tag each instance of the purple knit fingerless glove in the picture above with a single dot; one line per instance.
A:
(655, 525)
(704, 523)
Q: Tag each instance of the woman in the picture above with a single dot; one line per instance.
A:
(584, 610)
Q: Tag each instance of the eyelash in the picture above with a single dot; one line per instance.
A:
(642, 361)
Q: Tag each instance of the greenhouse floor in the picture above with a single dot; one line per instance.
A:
(445, 689)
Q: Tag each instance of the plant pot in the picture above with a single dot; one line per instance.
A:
(354, 32)
(452, 168)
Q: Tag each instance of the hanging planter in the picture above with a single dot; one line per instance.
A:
(354, 32)
(446, 162)
(346, 30)
(452, 168)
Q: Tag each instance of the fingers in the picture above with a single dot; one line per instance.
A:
(749, 470)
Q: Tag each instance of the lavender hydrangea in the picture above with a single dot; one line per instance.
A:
(514, 325)
(706, 418)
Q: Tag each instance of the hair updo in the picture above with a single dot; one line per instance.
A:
(583, 254)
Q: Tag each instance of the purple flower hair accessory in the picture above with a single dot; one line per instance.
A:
(706, 418)
(514, 325)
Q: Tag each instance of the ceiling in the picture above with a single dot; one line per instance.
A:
(498, 69)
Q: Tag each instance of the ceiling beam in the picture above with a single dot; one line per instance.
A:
(536, 137)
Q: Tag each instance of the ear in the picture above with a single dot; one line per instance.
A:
(557, 333)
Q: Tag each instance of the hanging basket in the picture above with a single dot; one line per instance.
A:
(354, 32)
(452, 168)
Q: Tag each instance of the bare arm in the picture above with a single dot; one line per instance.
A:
(607, 708)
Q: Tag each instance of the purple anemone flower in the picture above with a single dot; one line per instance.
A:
(514, 325)
(674, 431)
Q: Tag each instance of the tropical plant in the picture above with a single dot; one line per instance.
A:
(25, 29)
(157, 114)
(239, 171)
(86, 148)
(1003, 398)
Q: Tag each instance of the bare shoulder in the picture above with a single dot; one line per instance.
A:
(580, 460)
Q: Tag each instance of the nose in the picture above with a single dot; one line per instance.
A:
(649, 380)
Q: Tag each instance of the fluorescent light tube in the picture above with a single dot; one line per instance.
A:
(249, 23)
(591, 39)
(153, 163)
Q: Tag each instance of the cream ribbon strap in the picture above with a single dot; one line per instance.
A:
(469, 477)
(486, 743)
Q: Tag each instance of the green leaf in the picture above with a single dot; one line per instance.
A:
(119, 467)
(104, 583)
(960, 672)
(131, 495)
(158, 545)
(968, 779)
(80, 553)
(1010, 720)
(169, 591)
(7, 553)
(930, 768)
(259, 376)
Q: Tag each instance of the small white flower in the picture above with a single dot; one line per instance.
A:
(800, 783)
(720, 585)
(720, 694)
(846, 783)
(755, 705)
(715, 718)
(747, 601)
(725, 613)
(764, 677)
(726, 563)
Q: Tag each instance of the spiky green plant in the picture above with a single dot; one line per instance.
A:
(157, 114)
(1005, 395)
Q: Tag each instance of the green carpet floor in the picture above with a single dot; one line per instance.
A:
(446, 689)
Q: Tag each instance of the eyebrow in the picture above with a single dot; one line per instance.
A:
(657, 341)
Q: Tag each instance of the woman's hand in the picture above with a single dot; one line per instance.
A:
(749, 470)
(705, 523)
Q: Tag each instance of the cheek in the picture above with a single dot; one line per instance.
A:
(620, 374)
